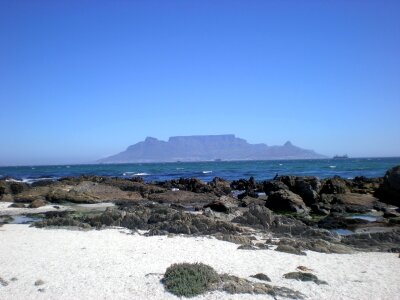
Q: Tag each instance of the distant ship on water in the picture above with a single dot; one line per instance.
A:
(341, 156)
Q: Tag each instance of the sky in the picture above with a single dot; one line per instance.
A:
(81, 80)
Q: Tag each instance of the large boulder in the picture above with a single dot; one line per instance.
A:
(128, 185)
(247, 201)
(183, 197)
(9, 186)
(90, 192)
(256, 216)
(302, 276)
(286, 201)
(334, 185)
(338, 221)
(220, 186)
(273, 186)
(389, 191)
(349, 202)
(307, 187)
(244, 185)
(37, 204)
(364, 185)
(2, 189)
(32, 194)
(224, 204)
(374, 241)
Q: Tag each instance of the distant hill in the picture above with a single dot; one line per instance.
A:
(206, 148)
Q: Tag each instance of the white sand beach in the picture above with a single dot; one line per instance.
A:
(114, 264)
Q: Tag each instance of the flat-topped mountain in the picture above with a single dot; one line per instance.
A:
(206, 148)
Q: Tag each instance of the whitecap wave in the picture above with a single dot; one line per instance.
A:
(332, 167)
(180, 168)
(207, 172)
(32, 180)
(135, 174)
(13, 180)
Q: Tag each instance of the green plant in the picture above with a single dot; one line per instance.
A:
(190, 280)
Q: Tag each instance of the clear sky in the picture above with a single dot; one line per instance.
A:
(80, 80)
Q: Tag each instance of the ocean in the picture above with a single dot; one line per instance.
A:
(206, 171)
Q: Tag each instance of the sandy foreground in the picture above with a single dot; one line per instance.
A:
(114, 264)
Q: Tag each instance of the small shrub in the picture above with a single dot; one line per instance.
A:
(190, 280)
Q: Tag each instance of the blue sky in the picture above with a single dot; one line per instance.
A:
(81, 80)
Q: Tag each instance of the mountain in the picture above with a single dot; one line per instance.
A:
(206, 148)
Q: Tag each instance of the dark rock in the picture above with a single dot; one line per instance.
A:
(335, 221)
(289, 181)
(234, 238)
(39, 282)
(249, 193)
(349, 202)
(364, 185)
(322, 246)
(308, 188)
(187, 184)
(17, 187)
(217, 206)
(261, 276)
(273, 186)
(183, 197)
(289, 249)
(17, 205)
(334, 185)
(284, 200)
(156, 218)
(46, 182)
(224, 204)
(394, 221)
(244, 185)
(2, 189)
(247, 247)
(3, 282)
(220, 186)
(247, 201)
(37, 204)
(256, 216)
(389, 191)
(90, 192)
(304, 277)
(376, 241)
(235, 285)
(313, 240)
(137, 179)
(321, 208)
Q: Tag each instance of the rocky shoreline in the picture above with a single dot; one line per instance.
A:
(289, 213)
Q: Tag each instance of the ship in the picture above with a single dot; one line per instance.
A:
(341, 156)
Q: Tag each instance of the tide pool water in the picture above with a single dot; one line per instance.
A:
(260, 170)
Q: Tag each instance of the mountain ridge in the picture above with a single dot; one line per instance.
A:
(206, 148)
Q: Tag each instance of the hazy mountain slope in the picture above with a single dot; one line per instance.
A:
(206, 148)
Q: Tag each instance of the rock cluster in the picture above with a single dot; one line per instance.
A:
(303, 209)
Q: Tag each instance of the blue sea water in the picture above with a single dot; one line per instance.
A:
(261, 170)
